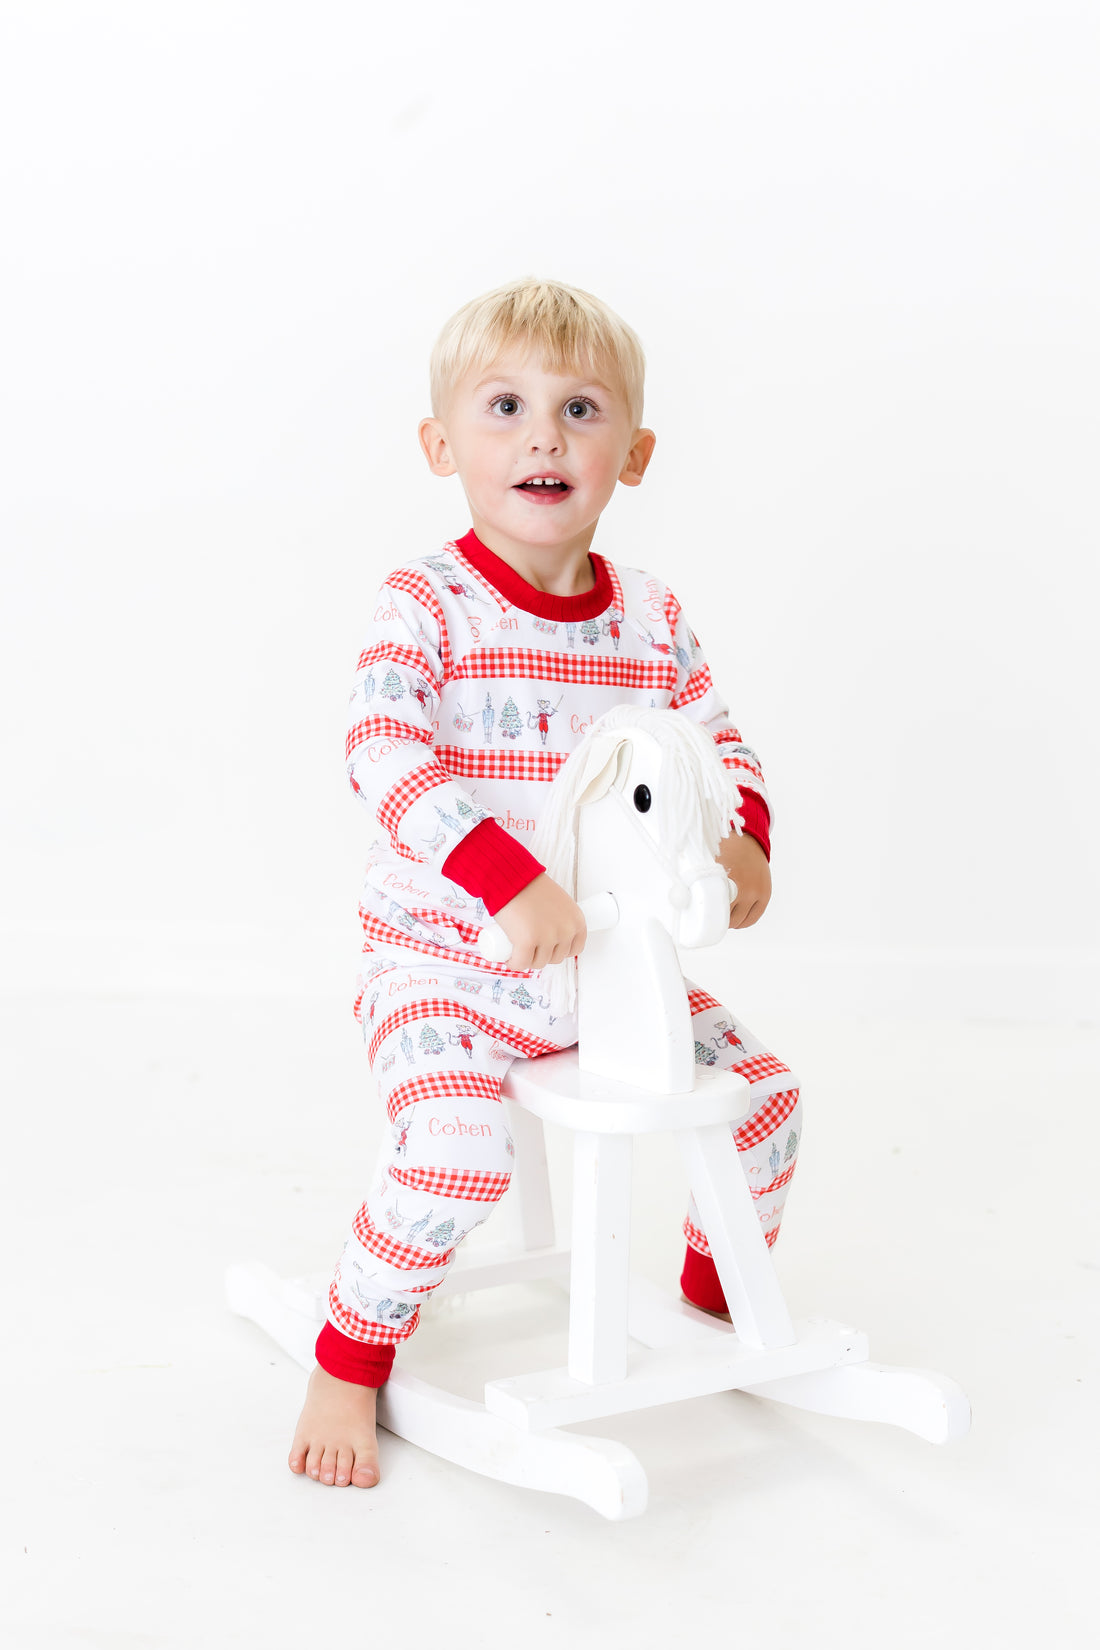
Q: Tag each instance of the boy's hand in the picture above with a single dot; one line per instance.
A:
(743, 859)
(543, 924)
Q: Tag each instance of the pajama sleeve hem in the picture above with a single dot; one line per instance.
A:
(491, 865)
(756, 819)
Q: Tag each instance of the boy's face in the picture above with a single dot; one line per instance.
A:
(512, 422)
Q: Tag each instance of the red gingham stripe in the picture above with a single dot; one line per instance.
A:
(531, 664)
(698, 1241)
(422, 590)
(409, 788)
(395, 653)
(384, 727)
(697, 686)
(777, 1184)
(362, 1329)
(673, 611)
(441, 1008)
(408, 853)
(388, 937)
(402, 1255)
(739, 762)
(465, 763)
(616, 588)
(699, 1002)
(471, 1185)
(759, 1066)
(467, 931)
(468, 567)
(727, 736)
(442, 1085)
(766, 1120)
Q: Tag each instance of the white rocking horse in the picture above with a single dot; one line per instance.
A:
(631, 829)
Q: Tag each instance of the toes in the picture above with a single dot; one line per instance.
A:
(296, 1460)
(345, 1460)
(366, 1473)
(328, 1466)
(313, 1460)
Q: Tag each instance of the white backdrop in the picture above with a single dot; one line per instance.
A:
(859, 242)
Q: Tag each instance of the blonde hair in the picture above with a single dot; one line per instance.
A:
(568, 327)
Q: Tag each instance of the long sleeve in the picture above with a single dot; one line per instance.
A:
(696, 696)
(392, 765)
(391, 758)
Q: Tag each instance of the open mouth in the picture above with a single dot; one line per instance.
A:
(544, 489)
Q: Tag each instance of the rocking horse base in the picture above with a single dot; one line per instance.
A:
(515, 1436)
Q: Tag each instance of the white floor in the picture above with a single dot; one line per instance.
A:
(944, 1203)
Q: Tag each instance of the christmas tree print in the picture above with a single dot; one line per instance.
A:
(430, 1040)
(792, 1146)
(590, 632)
(466, 810)
(392, 686)
(510, 725)
(441, 1235)
(705, 1056)
(522, 997)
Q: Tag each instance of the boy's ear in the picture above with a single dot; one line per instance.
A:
(433, 439)
(638, 458)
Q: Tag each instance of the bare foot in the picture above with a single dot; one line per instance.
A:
(709, 1310)
(335, 1440)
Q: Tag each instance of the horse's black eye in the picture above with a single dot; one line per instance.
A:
(642, 798)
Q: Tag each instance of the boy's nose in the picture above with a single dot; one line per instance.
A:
(545, 436)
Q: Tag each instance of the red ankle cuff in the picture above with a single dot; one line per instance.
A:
(351, 1360)
(699, 1281)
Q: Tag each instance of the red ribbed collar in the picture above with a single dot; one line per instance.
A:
(516, 590)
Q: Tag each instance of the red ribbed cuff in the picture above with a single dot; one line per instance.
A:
(699, 1281)
(352, 1360)
(491, 865)
(754, 812)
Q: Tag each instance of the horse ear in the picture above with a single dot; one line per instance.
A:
(603, 764)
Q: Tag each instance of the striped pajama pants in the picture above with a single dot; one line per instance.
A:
(440, 1039)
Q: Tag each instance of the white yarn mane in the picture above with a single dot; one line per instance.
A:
(695, 800)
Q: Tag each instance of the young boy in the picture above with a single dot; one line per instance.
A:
(484, 665)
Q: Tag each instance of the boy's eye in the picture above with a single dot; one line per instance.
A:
(507, 404)
(579, 408)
